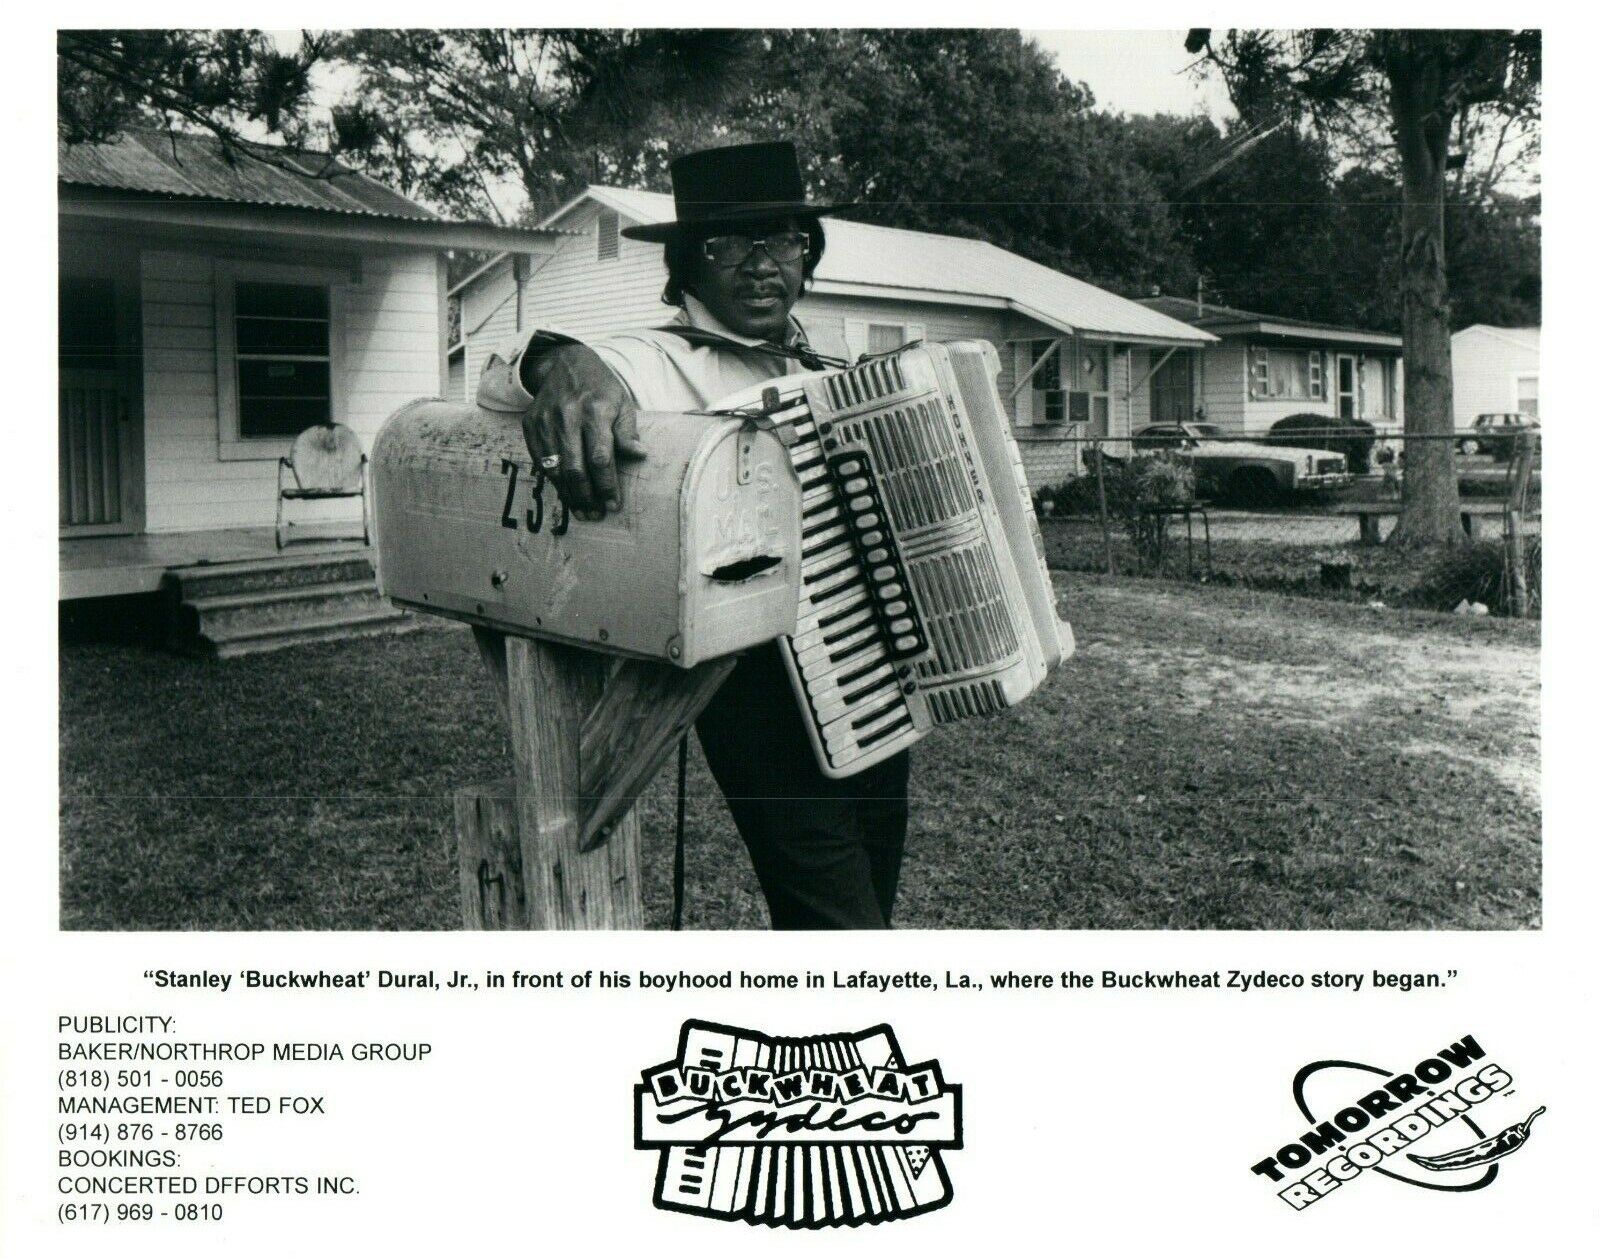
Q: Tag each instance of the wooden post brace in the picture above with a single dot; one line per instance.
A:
(557, 846)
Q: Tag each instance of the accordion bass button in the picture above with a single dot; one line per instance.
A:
(892, 590)
(867, 521)
(895, 609)
(856, 485)
(883, 573)
(877, 556)
(860, 503)
(872, 538)
(903, 625)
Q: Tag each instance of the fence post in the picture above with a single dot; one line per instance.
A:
(1517, 493)
(1105, 524)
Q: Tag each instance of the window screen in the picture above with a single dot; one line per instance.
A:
(606, 235)
(1528, 394)
(884, 338)
(282, 337)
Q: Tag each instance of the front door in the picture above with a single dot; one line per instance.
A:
(1344, 391)
(1172, 390)
(100, 446)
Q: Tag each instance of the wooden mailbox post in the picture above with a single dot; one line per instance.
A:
(556, 847)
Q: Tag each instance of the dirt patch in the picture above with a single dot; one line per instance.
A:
(1324, 674)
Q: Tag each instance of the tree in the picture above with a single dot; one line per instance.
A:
(453, 116)
(968, 132)
(228, 83)
(1412, 87)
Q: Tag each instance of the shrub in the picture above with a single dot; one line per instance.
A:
(1353, 438)
(1479, 573)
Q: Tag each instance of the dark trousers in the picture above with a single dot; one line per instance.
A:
(826, 852)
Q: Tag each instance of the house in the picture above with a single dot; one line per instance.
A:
(210, 309)
(1075, 360)
(1494, 369)
(1263, 367)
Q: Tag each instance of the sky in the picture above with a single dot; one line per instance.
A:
(1135, 72)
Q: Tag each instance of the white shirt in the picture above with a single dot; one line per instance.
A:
(660, 369)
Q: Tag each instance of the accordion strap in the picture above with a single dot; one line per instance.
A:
(800, 352)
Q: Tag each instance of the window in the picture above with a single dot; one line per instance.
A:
(282, 345)
(606, 235)
(1073, 386)
(1050, 402)
(1528, 395)
(884, 338)
(279, 354)
(1285, 373)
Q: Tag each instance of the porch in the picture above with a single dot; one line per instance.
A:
(95, 567)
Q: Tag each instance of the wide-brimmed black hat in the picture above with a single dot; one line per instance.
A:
(732, 185)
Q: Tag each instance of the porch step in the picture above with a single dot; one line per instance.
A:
(275, 573)
(330, 629)
(279, 601)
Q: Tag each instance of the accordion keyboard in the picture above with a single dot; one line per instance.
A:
(923, 594)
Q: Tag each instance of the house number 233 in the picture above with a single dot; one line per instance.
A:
(534, 515)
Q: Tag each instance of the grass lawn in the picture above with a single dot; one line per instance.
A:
(1209, 758)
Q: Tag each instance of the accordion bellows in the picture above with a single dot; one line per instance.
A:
(924, 596)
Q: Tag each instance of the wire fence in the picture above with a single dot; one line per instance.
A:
(1331, 472)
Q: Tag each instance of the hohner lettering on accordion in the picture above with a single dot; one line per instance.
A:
(702, 562)
(924, 595)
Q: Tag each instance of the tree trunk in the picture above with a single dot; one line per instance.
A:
(1431, 503)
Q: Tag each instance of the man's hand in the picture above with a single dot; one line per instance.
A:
(583, 416)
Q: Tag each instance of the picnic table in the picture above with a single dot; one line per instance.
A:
(1370, 514)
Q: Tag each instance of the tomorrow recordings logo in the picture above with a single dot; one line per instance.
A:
(827, 1131)
(1367, 1117)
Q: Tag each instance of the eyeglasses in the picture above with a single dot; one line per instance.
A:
(732, 251)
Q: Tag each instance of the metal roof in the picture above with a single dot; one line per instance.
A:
(1524, 338)
(156, 163)
(1224, 319)
(899, 262)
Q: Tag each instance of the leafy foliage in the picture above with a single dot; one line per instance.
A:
(450, 114)
(217, 81)
(1292, 209)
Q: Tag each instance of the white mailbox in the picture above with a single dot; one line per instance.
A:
(702, 561)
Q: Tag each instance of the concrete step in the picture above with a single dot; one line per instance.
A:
(277, 573)
(336, 631)
(222, 614)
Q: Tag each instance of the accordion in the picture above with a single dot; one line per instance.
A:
(875, 521)
(924, 597)
(777, 1165)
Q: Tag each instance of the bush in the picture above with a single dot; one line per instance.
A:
(1479, 573)
(1327, 432)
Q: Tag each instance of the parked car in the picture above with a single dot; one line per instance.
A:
(1353, 438)
(1246, 471)
(1494, 433)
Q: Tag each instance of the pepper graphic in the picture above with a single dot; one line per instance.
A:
(1490, 1150)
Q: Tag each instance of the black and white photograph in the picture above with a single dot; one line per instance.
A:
(809, 478)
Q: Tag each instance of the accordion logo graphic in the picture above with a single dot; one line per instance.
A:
(826, 1131)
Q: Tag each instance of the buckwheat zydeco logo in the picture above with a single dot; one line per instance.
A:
(827, 1131)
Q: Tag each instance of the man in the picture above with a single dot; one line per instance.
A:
(744, 242)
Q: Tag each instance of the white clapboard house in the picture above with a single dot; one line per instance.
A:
(1264, 367)
(1494, 370)
(209, 311)
(1076, 360)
